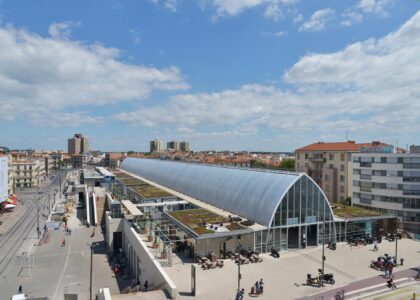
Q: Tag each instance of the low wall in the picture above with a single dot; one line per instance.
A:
(112, 225)
(104, 294)
(150, 268)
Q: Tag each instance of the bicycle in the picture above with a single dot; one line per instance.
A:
(340, 295)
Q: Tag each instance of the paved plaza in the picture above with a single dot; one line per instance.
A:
(54, 270)
(285, 277)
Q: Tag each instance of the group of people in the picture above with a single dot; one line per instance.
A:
(257, 288)
(67, 229)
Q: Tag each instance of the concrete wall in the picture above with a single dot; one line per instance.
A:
(144, 265)
(112, 225)
(104, 294)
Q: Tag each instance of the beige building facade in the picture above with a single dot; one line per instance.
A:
(330, 165)
(28, 173)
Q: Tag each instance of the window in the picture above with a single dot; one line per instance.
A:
(342, 168)
(327, 177)
(332, 156)
(306, 155)
(331, 166)
(298, 155)
(297, 166)
(341, 188)
(341, 178)
(343, 156)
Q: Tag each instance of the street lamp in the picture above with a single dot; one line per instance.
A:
(239, 264)
(396, 242)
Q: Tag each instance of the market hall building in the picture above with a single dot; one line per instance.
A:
(273, 209)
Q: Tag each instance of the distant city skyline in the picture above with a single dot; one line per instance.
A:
(223, 75)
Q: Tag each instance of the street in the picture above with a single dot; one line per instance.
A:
(18, 239)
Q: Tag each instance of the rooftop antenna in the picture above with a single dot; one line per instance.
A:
(347, 135)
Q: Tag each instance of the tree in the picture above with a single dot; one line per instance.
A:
(288, 164)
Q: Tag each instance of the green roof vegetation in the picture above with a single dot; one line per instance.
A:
(129, 181)
(194, 219)
(348, 211)
(150, 191)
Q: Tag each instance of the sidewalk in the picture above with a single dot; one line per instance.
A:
(363, 285)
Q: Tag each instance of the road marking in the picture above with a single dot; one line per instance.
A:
(62, 273)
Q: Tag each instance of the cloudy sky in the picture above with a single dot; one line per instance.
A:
(268, 75)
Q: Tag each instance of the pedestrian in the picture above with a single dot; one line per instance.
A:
(241, 295)
(63, 242)
(20, 289)
(146, 284)
(261, 286)
(375, 246)
(391, 267)
(69, 231)
(257, 288)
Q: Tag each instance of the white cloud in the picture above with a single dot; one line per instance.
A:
(374, 6)
(63, 29)
(135, 35)
(225, 8)
(298, 18)
(318, 20)
(171, 5)
(369, 88)
(350, 18)
(40, 74)
(277, 34)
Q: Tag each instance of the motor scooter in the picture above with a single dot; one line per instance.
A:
(314, 281)
(327, 278)
(332, 245)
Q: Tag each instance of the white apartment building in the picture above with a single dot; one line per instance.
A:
(389, 182)
(28, 173)
(4, 176)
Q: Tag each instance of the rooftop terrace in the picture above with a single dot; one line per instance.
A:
(150, 191)
(347, 211)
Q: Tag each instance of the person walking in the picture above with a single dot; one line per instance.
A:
(257, 288)
(261, 286)
(20, 289)
(146, 284)
(241, 295)
(375, 245)
(63, 242)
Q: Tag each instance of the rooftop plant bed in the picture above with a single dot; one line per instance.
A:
(195, 218)
(234, 226)
(347, 211)
(150, 191)
(131, 181)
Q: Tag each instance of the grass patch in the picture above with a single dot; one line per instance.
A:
(347, 211)
(150, 191)
(194, 218)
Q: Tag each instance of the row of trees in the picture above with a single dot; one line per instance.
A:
(285, 164)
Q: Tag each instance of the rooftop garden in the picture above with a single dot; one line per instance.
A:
(150, 191)
(201, 221)
(348, 211)
(195, 218)
(130, 181)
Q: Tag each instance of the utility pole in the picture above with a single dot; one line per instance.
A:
(396, 242)
(239, 266)
(323, 251)
(37, 226)
(91, 270)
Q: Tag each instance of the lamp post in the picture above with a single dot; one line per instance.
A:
(239, 264)
(396, 242)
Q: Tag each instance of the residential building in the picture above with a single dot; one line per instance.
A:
(414, 149)
(172, 146)
(57, 160)
(329, 164)
(28, 172)
(156, 146)
(184, 146)
(4, 178)
(113, 160)
(78, 161)
(389, 183)
(78, 144)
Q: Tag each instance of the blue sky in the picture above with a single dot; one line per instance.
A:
(268, 75)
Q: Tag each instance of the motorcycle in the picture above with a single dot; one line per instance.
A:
(332, 245)
(378, 265)
(327, 278)
(312, 280)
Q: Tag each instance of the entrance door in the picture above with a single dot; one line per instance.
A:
(293, 237)
(311, 235)
(117, 240)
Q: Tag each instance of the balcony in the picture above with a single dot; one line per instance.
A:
(317, 159)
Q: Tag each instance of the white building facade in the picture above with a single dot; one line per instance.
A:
(4, 178)
(390, 183)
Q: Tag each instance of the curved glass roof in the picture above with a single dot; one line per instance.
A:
(253, 194)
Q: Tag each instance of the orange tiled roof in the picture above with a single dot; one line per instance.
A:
(340, 146)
